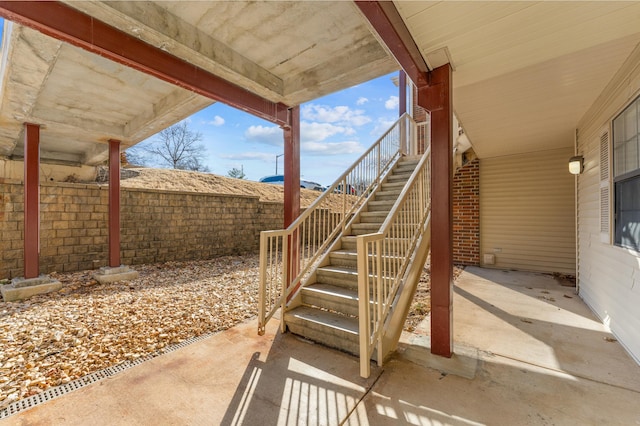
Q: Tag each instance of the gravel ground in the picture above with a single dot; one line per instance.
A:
(52, 339)
(55, 338)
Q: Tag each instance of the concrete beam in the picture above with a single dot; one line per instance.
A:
(65, 119)
(167, 111)
(174, 35)
(97, 154)
(21, 86)
(366, 60)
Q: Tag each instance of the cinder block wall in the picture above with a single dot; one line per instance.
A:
(466, 214)
(156, 226)
(11, 228)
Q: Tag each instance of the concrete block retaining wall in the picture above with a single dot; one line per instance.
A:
(156, 226)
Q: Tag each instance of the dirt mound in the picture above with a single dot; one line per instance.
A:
(188, 181)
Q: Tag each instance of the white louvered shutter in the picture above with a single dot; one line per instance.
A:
(605, 188)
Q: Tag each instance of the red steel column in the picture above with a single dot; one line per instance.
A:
(31, 200)
(292, 185)
(402, 85)
(292, 167)
(114, 203)
(436, 98)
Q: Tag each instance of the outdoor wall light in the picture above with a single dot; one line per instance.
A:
(576, 165)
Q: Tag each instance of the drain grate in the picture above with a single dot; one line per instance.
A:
(51, 393)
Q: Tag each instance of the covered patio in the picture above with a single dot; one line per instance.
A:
(532, 83)
(527, 351)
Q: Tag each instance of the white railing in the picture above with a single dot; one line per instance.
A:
(384, 256)
(311, 234)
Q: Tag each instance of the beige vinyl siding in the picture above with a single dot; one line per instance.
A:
(608, 276)
(527, 211)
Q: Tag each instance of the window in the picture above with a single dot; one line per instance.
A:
(626, 176)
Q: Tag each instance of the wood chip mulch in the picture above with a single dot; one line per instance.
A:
(85, 327)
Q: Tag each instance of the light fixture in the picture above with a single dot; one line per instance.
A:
(576, 165)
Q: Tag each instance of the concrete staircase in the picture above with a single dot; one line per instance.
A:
(327, 307)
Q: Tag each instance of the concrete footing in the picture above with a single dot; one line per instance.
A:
(108, 274)
(23, 288)
(463, 362)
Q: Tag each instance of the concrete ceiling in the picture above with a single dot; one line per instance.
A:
(525, 72)
(286, 52)
(80, 99)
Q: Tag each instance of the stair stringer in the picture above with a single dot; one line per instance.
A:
(402, 303)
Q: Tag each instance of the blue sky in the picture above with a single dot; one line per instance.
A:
(335, 131)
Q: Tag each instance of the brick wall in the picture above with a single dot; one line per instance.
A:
(466, 214)
(156, 226)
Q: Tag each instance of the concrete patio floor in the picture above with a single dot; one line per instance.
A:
(528, 352)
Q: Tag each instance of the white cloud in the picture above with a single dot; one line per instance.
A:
(262, 156)
(317, 132)
(342, 115)
(392, 102)
(382, 125)
(267, 135)
(361, 101)
(217, 121)
(331, 148)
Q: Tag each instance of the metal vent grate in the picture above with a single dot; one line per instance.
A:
(57, 391)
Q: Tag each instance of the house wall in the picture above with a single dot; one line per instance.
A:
(527, 212)
(156, 226)
(608, 276)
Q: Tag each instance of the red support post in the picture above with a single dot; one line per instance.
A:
(292, 185)
(31, 200)
(436, 97)
(114, 203)
(292, 167)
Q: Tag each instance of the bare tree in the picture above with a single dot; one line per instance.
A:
(237, 173)
(177, 147)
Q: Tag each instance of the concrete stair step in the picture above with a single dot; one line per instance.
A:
(387, 195)
(367, 228)
(399, 178)
(407, 164)
(331, 297)
(338, 275)
(345, 258)
(373, 217)
(393, 186)
(349, 243)
(331, 329)
(380, 205)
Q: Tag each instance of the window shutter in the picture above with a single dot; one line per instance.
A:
(605, 196)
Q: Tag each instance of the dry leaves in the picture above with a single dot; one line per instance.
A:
(52, 339)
